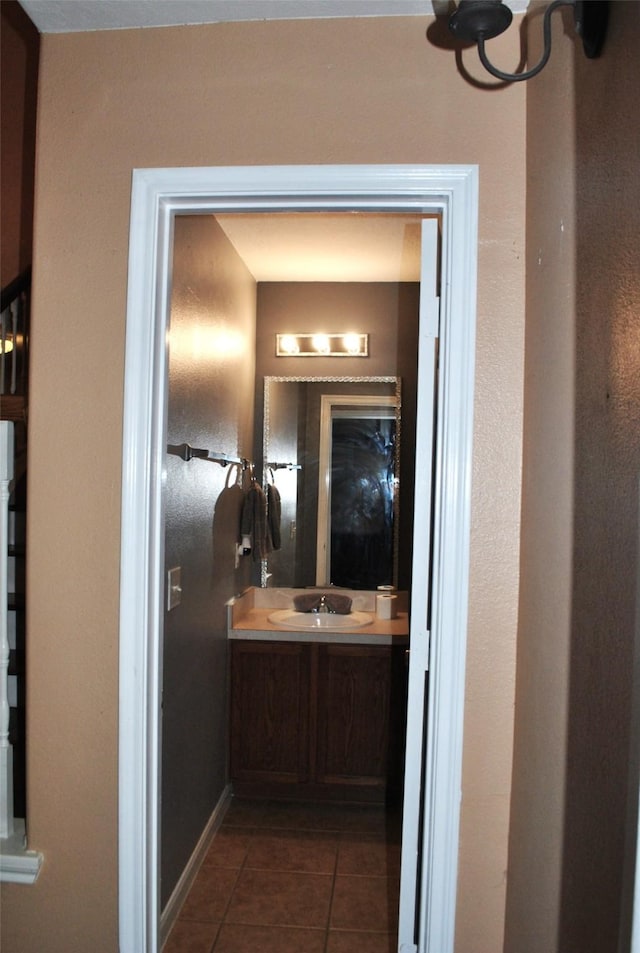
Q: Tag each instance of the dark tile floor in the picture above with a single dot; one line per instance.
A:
(295, 878)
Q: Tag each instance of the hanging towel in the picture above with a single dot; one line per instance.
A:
(274, 512)
(253, 521)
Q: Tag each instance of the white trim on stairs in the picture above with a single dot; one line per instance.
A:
(18, 865)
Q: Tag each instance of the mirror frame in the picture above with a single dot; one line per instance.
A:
(266, 430)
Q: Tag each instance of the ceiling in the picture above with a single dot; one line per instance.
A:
(72, 16)
(325, 246)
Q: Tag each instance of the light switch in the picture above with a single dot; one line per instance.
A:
(174, 587)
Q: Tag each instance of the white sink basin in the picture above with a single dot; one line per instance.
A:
(308, 621)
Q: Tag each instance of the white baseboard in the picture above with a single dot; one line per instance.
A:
(174, 903)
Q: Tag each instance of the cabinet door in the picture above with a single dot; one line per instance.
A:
(269, 711)
(353, 714)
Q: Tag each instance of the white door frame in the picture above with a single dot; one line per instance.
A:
(157, 195)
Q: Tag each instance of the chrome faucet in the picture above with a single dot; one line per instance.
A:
(322, 605)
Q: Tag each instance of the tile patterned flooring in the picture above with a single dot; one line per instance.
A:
(295, 878)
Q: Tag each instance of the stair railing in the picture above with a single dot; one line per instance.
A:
(14, 335)
(6, 750)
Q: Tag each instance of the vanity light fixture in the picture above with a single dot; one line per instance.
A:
(479, 20)
(320, 344)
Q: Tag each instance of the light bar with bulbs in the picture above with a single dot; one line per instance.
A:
(319, 344)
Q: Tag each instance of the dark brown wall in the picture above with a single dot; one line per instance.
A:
(389, 313)
(575, 781)
(211, 377)
(20, 54)
(602, 758)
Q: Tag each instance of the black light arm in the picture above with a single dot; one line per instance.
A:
(480, 20)
(546, 32)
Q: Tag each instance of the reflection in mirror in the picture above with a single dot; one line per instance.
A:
(332, 447)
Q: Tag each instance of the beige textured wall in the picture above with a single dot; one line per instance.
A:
(580, 498)
(535, 862)
(361, 91)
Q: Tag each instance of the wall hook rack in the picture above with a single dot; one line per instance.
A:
(283, 466)
(186, 452)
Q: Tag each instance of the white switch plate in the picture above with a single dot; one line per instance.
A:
(174, 587)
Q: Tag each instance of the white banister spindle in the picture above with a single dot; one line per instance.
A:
(6, 751)
(15, 312)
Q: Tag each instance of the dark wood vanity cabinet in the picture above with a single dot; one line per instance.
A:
(270, 687)
(316, 720)
(354, 700)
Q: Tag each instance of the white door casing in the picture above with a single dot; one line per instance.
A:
(157, 195)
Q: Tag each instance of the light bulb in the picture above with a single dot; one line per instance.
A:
(289, 344)
(352, 343)
(321, 343)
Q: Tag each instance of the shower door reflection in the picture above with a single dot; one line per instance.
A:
(357, 495)
(340, 504)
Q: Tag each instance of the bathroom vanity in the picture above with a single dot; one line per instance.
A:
(316, 712)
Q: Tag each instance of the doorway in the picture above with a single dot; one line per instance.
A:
(159, 195)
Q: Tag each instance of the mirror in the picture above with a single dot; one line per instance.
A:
(331, 447)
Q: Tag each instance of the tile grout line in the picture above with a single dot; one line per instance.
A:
(223, 919)
(333, 890)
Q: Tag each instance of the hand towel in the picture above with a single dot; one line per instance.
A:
(253, 521)
(274, 512)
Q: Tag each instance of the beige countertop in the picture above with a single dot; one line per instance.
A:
(254, 624)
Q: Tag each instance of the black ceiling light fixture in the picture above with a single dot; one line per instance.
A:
(479, 20)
